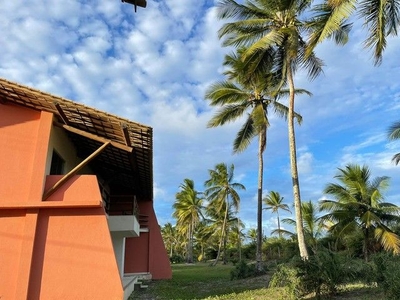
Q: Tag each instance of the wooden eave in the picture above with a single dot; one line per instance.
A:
(129, 159)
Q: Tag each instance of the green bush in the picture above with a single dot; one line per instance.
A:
(321, 274)
(176, 259)
(388, 274)
(243, 270)
(287, 276)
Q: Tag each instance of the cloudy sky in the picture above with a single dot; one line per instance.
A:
(153, 67)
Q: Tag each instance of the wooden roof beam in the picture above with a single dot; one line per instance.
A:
(126, 135)
(71, 173)
(94, 137)
(62, 114)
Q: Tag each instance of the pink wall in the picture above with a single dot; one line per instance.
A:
(156, 261)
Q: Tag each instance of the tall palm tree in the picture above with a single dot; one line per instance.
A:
(359, 206)
(275, 27)
(314, 227)
(188, 212)
(381, 18)
(274, 202)
(222, 193)
(394, 134)
(254, 93)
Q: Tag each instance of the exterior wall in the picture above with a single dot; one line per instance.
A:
(62, 145)
(24, 136)
(147, 253)
(55, 249)
(118, 241)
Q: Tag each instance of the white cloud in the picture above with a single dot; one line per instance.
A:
(153, 67)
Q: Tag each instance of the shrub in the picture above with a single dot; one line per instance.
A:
(287, 276)
(243, 270)
(176, 259)
(321, 274)
(388, 274)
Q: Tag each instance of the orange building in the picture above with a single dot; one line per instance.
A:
(76, 200)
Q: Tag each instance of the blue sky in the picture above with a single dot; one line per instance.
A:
(153, 67)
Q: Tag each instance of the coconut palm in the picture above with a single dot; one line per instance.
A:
(394, 134)
(381, 18)
(169, 234)
(274, 202)
(202, 238)
(236, 236)
(359, 206)
(314, 227)
(188, 212)
(221, 224)
(254, 93)
(277, 28)
(252, 235)
(222, 195)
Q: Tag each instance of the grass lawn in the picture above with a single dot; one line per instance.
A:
(201, 281)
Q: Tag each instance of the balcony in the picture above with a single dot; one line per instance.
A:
(122, 214)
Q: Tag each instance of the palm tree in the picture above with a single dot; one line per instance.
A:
(169, 234)
(222, 194)
(236, 236)
(394, 134)
(314, 227)
(221, 224)
(202, 238)
(252, 235)
(253, 93)
(381, 18)
(359, 206)
(188, 212)
(275, 27)
(274, 201)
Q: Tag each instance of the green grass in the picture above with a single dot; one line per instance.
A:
(201, 281)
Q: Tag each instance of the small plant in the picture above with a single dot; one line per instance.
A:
(287, 276)
(176, 259)
(243, 270)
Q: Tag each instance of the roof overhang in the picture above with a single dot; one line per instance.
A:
(127, 162)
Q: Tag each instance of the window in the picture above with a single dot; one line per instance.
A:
(57, 164)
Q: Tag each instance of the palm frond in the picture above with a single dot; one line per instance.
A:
(329, 21)
(394, 131)
(388, 239)
(227, 113)
(243, 138)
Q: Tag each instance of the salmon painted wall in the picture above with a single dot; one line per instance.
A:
(55, 249)
(24, 135)
(73, 256)
(147, 253)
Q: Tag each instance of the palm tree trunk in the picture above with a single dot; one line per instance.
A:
(365, 250)
(259, 201)
(279, 225)
(239, 242)
(294, 171)
(225, 259)
(280, 233)
(222, 236)
(190, 246)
